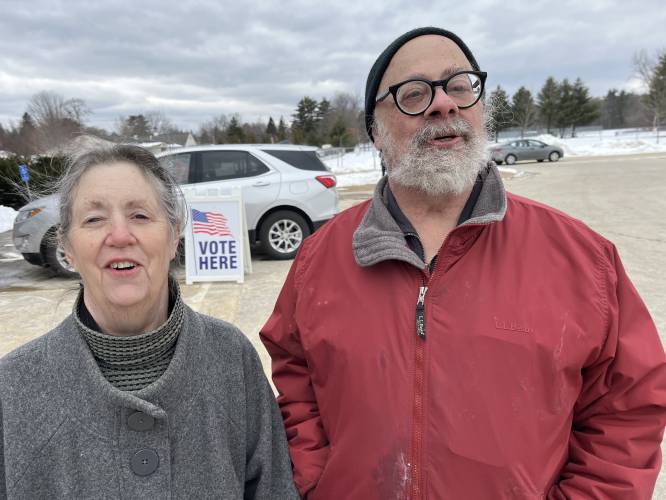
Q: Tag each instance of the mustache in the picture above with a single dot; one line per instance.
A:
(431, 130)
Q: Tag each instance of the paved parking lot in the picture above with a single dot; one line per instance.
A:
(623, 198)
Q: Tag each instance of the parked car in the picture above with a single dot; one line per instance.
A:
(288, 193)
(524, 149)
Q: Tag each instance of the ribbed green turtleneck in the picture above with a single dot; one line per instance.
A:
(131, 363)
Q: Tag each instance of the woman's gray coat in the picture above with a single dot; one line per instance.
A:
(209, 427)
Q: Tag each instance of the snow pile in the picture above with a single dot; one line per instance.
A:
(604, 144)
(610, 147)
(7, 216)
(360, 167)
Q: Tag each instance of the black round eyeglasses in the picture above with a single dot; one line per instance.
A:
(414, 96)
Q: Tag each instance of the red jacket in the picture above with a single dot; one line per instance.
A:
(540, 373)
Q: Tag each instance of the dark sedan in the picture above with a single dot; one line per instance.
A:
(524, 149)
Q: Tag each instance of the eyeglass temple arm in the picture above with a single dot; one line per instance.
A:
(383, 96)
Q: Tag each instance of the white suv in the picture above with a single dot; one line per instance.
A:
(287, 191)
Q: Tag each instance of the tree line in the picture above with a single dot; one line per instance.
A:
(560, 107)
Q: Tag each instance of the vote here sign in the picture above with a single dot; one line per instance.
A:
(215, 237)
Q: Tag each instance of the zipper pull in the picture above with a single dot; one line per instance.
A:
(420, 312)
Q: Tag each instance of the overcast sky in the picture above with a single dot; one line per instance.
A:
(194, 60)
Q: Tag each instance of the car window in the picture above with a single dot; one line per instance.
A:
(221, 165)
(303, 160)
(178, 166)
(536, 144)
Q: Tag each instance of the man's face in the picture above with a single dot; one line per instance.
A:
(440, 151)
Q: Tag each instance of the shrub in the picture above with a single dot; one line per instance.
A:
(43, 170)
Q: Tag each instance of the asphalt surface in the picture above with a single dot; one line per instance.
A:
(621, 197)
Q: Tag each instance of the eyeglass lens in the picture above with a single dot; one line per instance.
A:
(415, 96)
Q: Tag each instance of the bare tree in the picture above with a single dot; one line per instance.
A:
(213, 131)
(347, 129)
(57, 119)
(652, 74)
(162, 127)
(499, 111)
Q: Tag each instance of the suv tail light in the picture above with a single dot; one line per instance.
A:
(328, 181)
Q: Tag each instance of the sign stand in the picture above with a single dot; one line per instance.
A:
(217, 246)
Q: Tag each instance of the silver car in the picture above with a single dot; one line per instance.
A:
(287, 191)
(524, 149)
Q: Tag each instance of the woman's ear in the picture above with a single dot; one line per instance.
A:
(62, 242)
(175, 242)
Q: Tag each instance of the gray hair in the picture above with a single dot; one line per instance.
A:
(169, 195)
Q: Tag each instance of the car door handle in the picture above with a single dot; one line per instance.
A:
(261, 184)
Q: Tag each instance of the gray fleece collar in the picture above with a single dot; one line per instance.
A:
(379, 238)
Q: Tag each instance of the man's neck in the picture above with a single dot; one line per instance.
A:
(433, 217)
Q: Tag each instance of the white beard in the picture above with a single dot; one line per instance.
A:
(435, 171)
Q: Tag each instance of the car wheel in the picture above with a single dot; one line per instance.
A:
(54, 255)
(510, 159)
(282, 233)
(553, 156)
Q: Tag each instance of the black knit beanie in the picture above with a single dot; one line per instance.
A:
(382, 62)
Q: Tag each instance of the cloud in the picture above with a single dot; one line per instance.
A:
(197, 59)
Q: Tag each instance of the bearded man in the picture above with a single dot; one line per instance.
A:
(449, 340)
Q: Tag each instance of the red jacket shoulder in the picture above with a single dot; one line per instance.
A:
(519, 207)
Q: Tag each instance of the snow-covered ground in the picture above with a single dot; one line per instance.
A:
(362, 165)
(7, 216)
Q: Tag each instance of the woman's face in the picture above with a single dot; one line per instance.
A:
(119, 240)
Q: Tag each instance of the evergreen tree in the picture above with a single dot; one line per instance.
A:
(271, 130)
(501, 114)
(614, 109)
(566, 110)
(548, 101)
(324, 123)
(303, 128)
(282, 131)
(234, 131)
(585, 109)
(339, 135)
(323, 109)
(523, 109)
(135, 127)
(27, 136)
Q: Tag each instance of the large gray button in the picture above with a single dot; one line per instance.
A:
(144, 462)
(139, 421)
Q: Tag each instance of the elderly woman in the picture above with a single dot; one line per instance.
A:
(135, 395)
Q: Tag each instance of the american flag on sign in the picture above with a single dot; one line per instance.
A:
(210, 223)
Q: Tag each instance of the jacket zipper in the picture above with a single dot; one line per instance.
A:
(416, 469)
(419, 382)
(420, 311)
